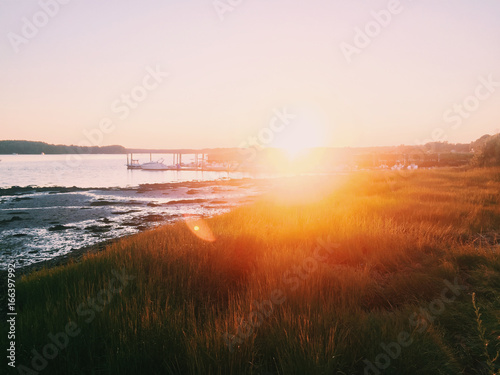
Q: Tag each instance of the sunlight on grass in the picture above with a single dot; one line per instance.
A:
(397, 238)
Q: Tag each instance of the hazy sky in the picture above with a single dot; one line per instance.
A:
(229, 73)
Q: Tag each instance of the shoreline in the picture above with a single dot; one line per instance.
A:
(58, 261)
(46, 225)
(31, 189)
(76, 255)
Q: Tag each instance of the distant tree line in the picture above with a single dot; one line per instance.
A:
(487, 151)
(29, 147)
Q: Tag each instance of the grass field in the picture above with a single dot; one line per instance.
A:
(368, 273)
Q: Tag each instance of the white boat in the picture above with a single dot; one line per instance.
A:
(156, 166)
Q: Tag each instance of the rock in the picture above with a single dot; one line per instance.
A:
(18, 199)
(150, 218)
(98, 228)
(102, 203)
(59, 227)
(124, 212)
(130, 224)
(187, 201)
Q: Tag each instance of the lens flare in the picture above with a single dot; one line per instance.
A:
(199, 228)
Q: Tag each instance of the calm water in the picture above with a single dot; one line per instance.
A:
(92, 171)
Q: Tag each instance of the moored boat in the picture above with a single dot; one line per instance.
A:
(156, 166)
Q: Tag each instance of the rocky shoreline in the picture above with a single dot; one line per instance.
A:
(47, 226)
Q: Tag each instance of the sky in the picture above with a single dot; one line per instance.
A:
(229, 73)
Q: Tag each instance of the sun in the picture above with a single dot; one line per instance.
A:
(299, 138)
(295, 149)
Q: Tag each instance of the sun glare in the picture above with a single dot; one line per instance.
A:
(303, 133)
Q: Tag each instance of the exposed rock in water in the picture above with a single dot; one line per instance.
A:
(98, 228)
(103, 203)
(124, 212)
(13, 218)
(187, 201)
(60, 227)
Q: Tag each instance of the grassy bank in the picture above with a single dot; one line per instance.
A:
(317, 278)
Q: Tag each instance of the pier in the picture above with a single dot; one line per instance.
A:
(204, 160)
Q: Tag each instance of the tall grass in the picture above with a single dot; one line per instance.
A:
(396, 238)
(490, 359)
